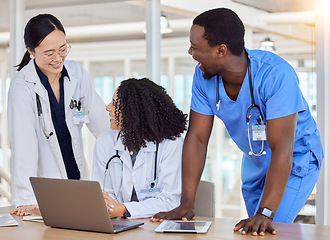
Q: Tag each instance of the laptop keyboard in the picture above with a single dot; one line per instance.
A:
(118, 226)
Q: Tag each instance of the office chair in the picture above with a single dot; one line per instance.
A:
(204, 200)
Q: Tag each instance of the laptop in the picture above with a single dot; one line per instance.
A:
(76, 204)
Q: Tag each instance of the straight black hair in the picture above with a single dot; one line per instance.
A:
(35, 31)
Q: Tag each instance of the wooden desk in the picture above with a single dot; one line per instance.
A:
(221, 228)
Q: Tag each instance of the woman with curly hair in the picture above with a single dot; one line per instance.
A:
(139, 164)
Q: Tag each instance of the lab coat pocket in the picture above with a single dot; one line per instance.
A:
(49, 175)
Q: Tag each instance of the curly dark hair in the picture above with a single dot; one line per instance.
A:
(147, 112)
(222, 26)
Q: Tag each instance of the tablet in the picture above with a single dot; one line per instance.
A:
(183, 226)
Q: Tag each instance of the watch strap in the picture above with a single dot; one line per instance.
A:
(266, 212)
(127, 214)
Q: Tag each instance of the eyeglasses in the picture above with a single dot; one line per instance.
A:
(64, 51)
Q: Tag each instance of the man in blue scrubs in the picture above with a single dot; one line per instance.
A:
(282, 151)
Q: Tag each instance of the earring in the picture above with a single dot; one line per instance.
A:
(31, 56)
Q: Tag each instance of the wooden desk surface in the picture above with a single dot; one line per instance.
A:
(221, 228)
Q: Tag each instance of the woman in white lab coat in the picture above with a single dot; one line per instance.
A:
(49, 100)
(143, 157)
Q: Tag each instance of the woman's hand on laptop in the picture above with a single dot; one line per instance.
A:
(23, 210)
(115, 209)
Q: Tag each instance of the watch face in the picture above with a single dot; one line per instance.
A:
(127, 214)
(266, 212)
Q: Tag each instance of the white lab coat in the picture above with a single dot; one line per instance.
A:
(122, 176)
(32, 153)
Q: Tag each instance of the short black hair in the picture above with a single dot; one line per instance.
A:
(148, 113)
(222, 26)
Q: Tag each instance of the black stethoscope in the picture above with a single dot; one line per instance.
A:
(41, 120)
(152, 184)
(73, 104)
(248, 115)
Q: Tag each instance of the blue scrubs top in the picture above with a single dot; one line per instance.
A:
(61, 129)
(276, 90)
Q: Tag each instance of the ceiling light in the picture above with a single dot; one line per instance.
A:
(267, 45)
(164, 25)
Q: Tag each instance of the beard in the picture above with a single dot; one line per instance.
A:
(207, 75)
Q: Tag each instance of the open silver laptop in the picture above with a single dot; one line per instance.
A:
(75, 204)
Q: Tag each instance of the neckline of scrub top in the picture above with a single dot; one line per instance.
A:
(223, 96)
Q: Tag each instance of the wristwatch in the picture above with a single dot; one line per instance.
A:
(127, 214)
(266, 212)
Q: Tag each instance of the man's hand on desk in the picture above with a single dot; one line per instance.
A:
(257, 224)
(180, 212)
(24, 210)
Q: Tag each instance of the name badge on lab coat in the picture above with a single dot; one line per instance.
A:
(259, 133)
(149, 192)
(80, 117)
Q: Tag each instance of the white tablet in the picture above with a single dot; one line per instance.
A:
(175, 226)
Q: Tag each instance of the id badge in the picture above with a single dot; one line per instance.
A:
(150, 192)
(80, 117)
(259, 133)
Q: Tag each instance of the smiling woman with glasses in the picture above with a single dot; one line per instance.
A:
(64, 50)
(49, 100)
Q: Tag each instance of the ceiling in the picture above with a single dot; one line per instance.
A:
(289, 23)
(280, 5)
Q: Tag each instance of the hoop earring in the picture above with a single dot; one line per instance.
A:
(31, 56)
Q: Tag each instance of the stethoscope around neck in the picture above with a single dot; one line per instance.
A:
(248, 115)
(41, 120)
(152, 184)
(73, 104)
